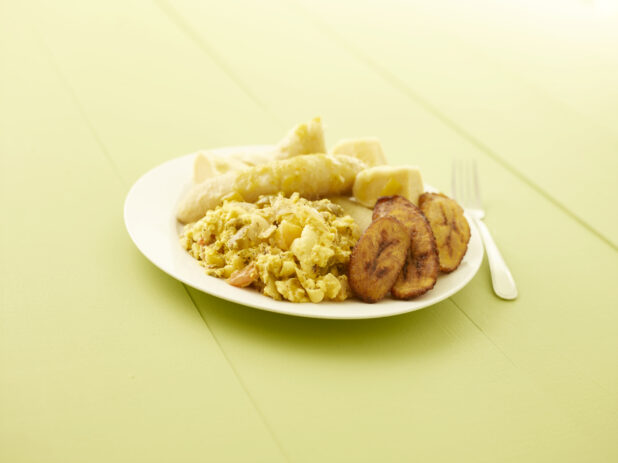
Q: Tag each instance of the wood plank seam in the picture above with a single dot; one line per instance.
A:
(240, 380)
(177, 20)
(92, 129)
(80, 108)
(532, 87)
(478, 327)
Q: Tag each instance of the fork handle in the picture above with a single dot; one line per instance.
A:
(501, 278)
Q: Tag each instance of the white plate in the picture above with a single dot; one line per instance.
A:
(149, 215)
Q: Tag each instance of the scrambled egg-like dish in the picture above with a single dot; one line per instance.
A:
(288, 248)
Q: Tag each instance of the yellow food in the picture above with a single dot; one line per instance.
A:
(303, 139)
(377, 181)
(205, 196)
(208, 165)
(299, 249)
(312, 176)
(368, 150)
(256, 219)
(360, 213)
(306, 138)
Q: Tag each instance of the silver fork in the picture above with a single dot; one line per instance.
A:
(466, 190)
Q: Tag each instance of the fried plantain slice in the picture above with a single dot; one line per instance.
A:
(449, 226)
(420, 270)
(377, 258)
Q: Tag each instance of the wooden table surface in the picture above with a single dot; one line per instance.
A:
(103, 357)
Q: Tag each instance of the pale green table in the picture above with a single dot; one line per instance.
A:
(105, 358)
